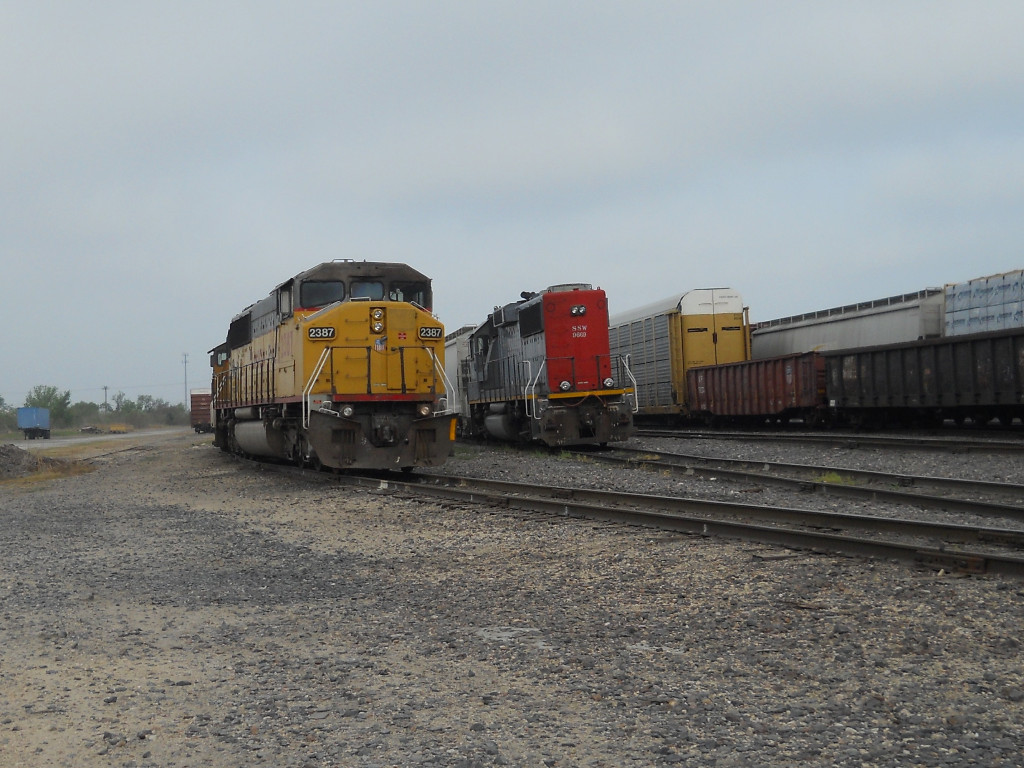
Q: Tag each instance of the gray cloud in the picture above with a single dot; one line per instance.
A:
(162, 167)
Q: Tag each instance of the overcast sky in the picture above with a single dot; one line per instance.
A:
(163, 165)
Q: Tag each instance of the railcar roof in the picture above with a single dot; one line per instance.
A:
(344, 268)
(677, 302)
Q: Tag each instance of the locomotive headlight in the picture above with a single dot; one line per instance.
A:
(377, 314)
(565, 386)
(347, 411)
(378, 326)
(579, 309)
(609, 382)
(423, 409)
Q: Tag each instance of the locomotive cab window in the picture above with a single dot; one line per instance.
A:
(531, 320)
(320, 293)
(415, 292)
(367, 289)
(285, 302)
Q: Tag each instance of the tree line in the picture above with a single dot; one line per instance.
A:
(144, 411)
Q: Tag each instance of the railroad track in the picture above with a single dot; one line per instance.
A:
(971, 548)
(958, 444)
(965, 548)
(948, 494)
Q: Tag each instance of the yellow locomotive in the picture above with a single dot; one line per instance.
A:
(340, 366)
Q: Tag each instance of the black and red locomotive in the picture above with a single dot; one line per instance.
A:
(540, 369)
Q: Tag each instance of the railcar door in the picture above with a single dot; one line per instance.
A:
(714, 328)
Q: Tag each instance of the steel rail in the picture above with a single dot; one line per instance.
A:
(720, 467)
(959, 444)
(705, 517)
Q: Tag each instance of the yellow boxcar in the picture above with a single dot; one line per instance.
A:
(662, 341)
(342, 366)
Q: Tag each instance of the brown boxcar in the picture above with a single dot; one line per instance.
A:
(199, 413)
(977, 377)
(774, 389)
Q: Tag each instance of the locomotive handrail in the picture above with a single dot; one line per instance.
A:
(307, 390)
(527, 405)
(439, 369)
(221, 380)
(249, 384)
(531, 391)
(632, 378)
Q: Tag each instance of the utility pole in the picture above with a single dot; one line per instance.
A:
(184, 360)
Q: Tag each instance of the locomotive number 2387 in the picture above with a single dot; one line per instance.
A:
(431, 333)
(320, 332)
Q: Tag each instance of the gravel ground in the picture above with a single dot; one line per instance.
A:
(177, 607)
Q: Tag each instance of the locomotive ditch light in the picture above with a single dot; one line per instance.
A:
(609, 382)
(347, 411)
(423, 409)
(565, 386)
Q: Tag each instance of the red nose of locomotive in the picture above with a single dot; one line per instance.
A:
(576, 330)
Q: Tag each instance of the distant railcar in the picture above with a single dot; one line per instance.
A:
(540, 370)
(975, 378)
(342, 366)
(776, 389)
(890, 320)
(456, 353)
(200, 410)
(664, 340)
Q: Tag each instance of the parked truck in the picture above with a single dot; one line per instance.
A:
(34, 422)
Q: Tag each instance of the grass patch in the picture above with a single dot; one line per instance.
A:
(84, 448)
(566, 454)
(48, 470)
(834, 478)
(648, 457)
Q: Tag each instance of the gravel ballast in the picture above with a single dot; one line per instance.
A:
(178, 607)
